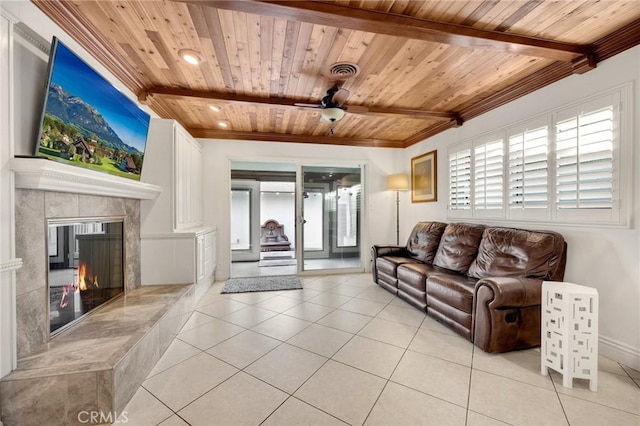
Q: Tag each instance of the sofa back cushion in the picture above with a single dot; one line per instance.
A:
(508, 252)
(458, 246)
(424, 240)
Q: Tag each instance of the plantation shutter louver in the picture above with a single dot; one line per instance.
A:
(460, 180)
(488, 176)
(584, 160)
(528, 165)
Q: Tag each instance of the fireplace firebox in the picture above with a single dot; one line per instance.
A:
(86, 267)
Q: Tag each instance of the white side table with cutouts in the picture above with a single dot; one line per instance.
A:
(569, 343)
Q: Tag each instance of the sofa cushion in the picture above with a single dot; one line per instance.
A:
(509, 252)
(453, 290)
(389, 264)
(458, 246)
(424, 240)
(415, 274)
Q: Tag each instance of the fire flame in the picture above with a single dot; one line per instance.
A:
(79, 285)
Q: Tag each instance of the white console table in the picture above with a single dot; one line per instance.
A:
(569, 343)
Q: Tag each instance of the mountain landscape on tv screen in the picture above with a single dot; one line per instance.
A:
(74, 131)
(73, 110)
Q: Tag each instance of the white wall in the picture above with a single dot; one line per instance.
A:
(379, 225)
(605, 258)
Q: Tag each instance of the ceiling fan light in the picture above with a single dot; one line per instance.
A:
(332, 114)
(190, 56)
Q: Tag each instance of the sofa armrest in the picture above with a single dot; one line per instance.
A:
(510, 292)
(388, 250)
(507, 313)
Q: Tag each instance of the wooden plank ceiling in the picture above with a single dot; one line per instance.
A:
(424, 66)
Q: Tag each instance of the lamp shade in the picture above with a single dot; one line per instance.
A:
(332, 114)
(398, 182)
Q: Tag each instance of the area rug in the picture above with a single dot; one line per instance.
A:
(270, 283)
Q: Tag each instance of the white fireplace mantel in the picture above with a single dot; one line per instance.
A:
(48, 175)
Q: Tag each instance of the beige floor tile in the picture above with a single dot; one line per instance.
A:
(389, 332)
(221, 307)
(281, 327)
(144, 410)
(209, 334)
(635, 374)
(303, 294)
(443, 379)
(477, 419)
(174, 421)
(610, 366)
(345, 320)
(452, 348)
(517, 365)
(309, 311)
(399, 405)
(211, 297)
(296, 412)
(182, 383)
(278, 304)
(376, 294)
(321, 340)
(364, 307)
(581, 412)
(346, 290)
(251, 298)
(408, 316)
(249, 316)
(286, 367)
(196, 319)
(342, 391)
(244, 348)
(613, 391)
(330, 299)
(177, 352)
(364, 280)
(514, 402)
(371, 356)
(241, 400)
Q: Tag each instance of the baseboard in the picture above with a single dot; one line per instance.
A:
(619, 352)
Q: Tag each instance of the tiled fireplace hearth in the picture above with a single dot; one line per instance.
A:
(98, 363)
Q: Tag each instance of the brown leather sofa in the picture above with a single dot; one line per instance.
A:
(483, 282)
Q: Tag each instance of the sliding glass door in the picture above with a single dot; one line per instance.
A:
(331, 218)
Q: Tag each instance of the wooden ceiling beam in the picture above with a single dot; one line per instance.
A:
(178, 93)
(331, 14)
(290, 138)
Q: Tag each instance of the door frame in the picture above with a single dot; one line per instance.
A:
(362, 165)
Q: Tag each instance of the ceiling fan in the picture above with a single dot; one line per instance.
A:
(332, 105)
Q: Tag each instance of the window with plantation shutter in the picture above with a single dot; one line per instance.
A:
(571, 165)
(488, 163)
(584, 160)
(460, 181)
(528, 176)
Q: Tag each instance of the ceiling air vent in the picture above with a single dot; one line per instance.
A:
(343, 70)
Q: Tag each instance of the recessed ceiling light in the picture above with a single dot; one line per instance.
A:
(224, 124)
(215, 107)
(190, 56)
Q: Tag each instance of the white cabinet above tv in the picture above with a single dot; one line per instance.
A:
(173, 160)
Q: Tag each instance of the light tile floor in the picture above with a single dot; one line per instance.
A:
(342, 351)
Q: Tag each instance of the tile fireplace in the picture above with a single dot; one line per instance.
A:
(86, 267)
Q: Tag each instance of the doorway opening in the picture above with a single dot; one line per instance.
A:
(263, 219)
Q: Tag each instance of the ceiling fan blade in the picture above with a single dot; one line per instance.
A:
(308, 105)
(357, 109)
(340, 96)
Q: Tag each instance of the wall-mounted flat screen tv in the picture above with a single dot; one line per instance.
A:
(87, 122)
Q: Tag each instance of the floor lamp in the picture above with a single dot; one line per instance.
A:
(398, 182)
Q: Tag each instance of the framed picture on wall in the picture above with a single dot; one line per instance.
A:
(424, 177)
